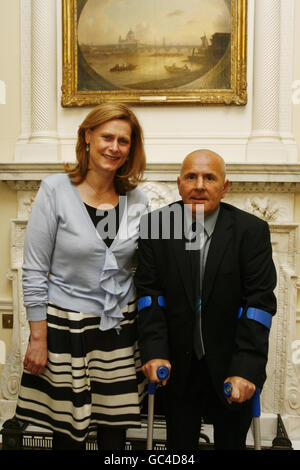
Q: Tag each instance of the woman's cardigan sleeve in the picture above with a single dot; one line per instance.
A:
(38, 248)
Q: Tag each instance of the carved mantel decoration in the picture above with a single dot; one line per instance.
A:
(265, 190)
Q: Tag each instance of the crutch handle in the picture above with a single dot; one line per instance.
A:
(255, 402)
(255, 399)
(162, 373)
(227, 389)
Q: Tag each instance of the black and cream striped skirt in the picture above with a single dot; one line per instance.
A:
(91, 377)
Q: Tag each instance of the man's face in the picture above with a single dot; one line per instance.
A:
(202, 181)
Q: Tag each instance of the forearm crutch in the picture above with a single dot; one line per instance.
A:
(162, 373)
(255, 413)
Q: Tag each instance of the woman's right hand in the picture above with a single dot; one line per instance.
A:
(36, 355)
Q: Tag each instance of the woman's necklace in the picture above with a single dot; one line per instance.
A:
(99, 196)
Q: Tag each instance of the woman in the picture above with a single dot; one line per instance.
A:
(82, 365)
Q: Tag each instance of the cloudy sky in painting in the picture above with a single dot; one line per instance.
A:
(174, 21)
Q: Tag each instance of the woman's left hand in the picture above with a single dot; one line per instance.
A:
(37, 352)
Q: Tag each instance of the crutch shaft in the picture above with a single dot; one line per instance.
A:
(150, 421)
(256, 433)
(255, 414)
(162, 373)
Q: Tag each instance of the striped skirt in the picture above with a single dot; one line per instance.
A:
(91, 376)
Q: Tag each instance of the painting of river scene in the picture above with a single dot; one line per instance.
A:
(154, 47)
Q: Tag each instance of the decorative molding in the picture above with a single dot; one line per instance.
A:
(264, 186)
(265, 208)
(252, 177)
(12, 370)
(6, 305)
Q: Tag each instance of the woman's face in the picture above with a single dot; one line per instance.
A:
(109, 145)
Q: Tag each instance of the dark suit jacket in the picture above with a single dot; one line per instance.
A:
(239, 273)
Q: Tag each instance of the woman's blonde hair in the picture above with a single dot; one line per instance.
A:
(131, 173)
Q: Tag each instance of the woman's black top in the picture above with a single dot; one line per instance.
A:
(106, 221)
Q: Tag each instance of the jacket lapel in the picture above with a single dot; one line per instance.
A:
(184, 268)
(183, 263)
(220, 239)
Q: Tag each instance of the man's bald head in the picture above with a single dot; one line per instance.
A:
(203, 180)
(205, 154)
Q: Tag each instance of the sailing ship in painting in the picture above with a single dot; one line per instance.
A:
(123, 68)
(175, 69)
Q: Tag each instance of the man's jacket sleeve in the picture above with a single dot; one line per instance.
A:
(152, 327)
(259, 281)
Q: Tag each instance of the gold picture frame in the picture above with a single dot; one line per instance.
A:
(212, 71)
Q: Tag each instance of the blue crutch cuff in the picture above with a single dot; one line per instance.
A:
(146, 301)
(258, 315)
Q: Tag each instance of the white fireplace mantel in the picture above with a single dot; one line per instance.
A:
(283, 173)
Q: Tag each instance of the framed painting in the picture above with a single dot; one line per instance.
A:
(154, 51)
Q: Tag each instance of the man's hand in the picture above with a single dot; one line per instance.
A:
(242, 389)
(150, 370)
(36, 355)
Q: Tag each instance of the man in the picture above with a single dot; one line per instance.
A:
(206, 313)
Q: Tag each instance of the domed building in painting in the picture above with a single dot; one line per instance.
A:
(130, 40)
